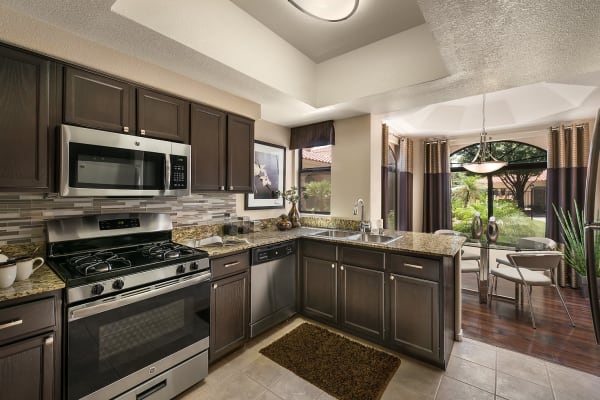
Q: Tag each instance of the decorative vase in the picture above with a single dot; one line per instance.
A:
(476, 226)
(492, 230)
(294, 216)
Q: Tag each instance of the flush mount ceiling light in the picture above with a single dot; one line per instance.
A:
(331, 10)
(484, 162)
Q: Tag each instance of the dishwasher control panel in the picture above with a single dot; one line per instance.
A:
(273, 252)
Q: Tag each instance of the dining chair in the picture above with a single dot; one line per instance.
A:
(531, 268)
(472, 260)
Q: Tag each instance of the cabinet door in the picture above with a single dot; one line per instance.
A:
(240, 153)
(362, 300)
(229, 314)
(27, 368)
(96, 101)
(319, 292)
(25, 87)
(414, 316)
(163, 117)
(208, 139)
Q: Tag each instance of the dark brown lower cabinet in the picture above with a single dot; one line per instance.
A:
(319, 289)
(229, 314)
(361, 301)
(415, 316)
(27, 368)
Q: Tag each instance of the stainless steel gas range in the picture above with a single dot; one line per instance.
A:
(138, 306)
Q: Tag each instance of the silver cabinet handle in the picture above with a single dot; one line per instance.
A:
(332, 266)
(231, 264)
(230, 187)
(215, 286)
(391, 277)
(341, 267)
(143, 132)
(413, 266)
(49, 340)
(221, 187)
(126, 129)
(11, 323)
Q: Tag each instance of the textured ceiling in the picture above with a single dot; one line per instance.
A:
(484, 47)
(320, 40)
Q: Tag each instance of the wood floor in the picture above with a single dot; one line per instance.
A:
(508, 326)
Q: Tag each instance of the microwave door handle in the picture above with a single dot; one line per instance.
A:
(167, 172)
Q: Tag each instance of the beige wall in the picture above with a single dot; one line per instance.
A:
(354, 155)
(275, 134)
(29, 33)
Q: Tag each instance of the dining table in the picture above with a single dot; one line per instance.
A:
(485, 246)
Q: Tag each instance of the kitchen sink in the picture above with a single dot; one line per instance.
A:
(350, 235)
(371, 238)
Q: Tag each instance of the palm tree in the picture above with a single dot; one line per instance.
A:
(468, 189)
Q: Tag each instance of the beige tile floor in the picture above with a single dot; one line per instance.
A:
(476, 371)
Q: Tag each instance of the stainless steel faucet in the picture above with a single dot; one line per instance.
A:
(365, 226)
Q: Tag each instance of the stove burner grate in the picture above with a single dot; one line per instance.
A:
(103, 261)
(165, 251)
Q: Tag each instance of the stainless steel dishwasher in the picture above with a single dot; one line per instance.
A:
(272, 285)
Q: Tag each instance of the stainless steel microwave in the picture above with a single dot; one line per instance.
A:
(98, 163)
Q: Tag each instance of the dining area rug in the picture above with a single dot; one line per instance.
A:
(337, 365)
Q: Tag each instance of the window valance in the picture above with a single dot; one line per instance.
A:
(319, 134)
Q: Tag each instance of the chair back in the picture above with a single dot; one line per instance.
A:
(535, 260)
(536, 243)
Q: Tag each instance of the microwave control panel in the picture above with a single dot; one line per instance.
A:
(178, 172)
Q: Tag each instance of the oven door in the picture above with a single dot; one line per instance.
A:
(114, 344)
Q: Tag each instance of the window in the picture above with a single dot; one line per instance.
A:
(515, 195)
(315, 179)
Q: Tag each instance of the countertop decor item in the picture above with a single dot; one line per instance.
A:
(341, 367)
(492, 230)
(483, 162)
(476, 226)
(292, 195)
(283, 223)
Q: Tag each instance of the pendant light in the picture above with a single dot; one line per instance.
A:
(484, 162)
(330, 11)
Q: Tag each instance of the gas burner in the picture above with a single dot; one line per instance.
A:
(166, 251)
(98, 262)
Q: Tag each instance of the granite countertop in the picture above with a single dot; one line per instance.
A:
(412, 242)
(42, 280)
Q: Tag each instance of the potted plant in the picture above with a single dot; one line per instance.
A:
(573, 238)
(292, 196)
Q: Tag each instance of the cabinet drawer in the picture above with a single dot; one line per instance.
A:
(416, 267)
(30, 317)
(363, 258)
(228, 265)
(323, 251)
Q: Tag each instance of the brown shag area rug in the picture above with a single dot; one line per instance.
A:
(341, 367)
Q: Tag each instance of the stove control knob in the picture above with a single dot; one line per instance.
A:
(97, 289)
(118, 284)
(180, 269)
(193, 266)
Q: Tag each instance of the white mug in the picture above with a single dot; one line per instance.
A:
(25, 267)
(8, 272)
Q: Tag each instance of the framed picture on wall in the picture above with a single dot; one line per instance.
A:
(269, 177)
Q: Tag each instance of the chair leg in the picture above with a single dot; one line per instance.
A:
(564, 305)
(528, 290)
(478, 283)
(490, 291)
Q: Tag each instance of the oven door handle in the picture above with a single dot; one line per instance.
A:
(110, 303)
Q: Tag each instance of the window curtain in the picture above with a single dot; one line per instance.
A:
(404, 174)
(437, 207)
(568, 151)
(319, 134)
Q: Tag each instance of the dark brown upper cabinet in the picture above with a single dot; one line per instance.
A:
(222, 150)
(97, 101)
(208, 137)
(163, 117)
(240, 153)
(27, 84)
